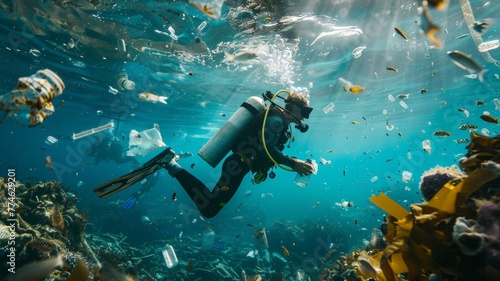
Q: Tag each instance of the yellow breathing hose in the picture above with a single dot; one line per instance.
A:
(264, 139)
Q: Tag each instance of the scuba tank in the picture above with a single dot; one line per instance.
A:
(220, 144)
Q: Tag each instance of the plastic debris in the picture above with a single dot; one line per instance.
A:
(323, 161)
(487, 46)
(485, 132)
(329, 107)
(357, 52)
(93, 131)
(497, 104)
(112, 90)
(122, 46)
(202, 25)
(30, 102)
(374, 179)
(141, 143)
(406, 176)
(124, 83)
(391, 98)
(99, 112)
(403, 104)
(426, 145)
(51, 140)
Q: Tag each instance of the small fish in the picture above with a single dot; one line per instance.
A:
(466, 63)
(190, 265)
(37, 270)
(223, 114)
(208, 9)
(328, 254)
(190, 73)
(192, 165)
(286, 253)
(480, 102)
(329, 151)
(224, 188)
(427, 26)
(356, 89)
(467, 126)
(483, 25)
(423, 91)
(438, 4)
(123, 136)
(400, 134)
(489, 118)
(174, 196)
(400, 32)
(403, 96)
(355, 122)
(147, 96)
(356, 221)
(238, 235)
(441, 133)
(434, 73)
(240, 57)
(316, 204)
(392, 68)
(251, 225)
(463, 140)
(258, 268)
(48, 162)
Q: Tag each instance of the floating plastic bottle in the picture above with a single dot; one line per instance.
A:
(374, 179)
(30, 102)
(207, 239)
(92, 131)
(123, 82)
(169, 256)
(303, 180)
(329, 107)
(487, 46)
(403, 104)
(391, 98)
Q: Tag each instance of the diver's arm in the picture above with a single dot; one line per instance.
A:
(274, 126)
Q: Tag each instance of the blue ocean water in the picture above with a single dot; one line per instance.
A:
(81, 41)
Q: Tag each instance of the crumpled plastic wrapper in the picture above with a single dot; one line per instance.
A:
(141, 143)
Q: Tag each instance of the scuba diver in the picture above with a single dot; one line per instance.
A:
(257, 146)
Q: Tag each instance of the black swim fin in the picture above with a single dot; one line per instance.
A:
(123, 182)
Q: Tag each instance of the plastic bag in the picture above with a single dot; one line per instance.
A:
(141, 143)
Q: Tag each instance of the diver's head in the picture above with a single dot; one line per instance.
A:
(298, 104)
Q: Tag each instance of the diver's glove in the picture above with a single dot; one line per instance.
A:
(129, 202)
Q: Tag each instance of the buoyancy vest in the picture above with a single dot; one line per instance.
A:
(249, 145)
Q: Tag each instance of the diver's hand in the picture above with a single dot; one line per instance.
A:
(302, 167)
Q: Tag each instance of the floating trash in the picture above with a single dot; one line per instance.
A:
(142, 143)
(99, 112)
(202, 25)
(403, 104)
(406, 176)
(374, 179)
(329, 107)
(487, 46)
(92, 131)
(426, 145)
(390, 98)
(30, 102)
(51, 140)
(485, 132)
(35, 52)
(358, 51)
(389, 126)
(323, 161)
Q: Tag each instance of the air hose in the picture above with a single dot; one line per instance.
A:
(263, 128)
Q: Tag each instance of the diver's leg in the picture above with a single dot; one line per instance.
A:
(125, 181)
(209, 203)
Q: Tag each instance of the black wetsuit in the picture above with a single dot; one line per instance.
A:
(248, 155)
